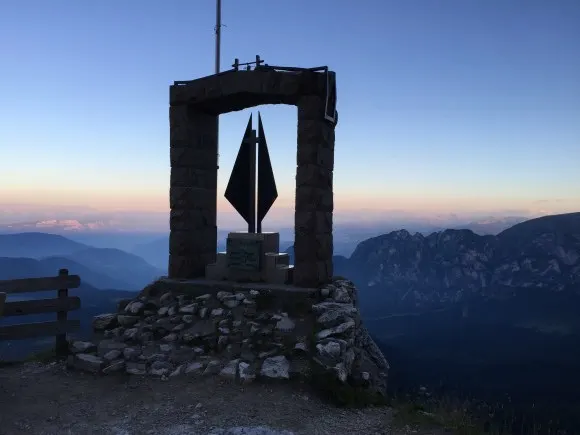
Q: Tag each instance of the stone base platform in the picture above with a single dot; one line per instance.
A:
(243, 332)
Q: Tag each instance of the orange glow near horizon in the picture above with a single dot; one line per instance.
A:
(156, 200)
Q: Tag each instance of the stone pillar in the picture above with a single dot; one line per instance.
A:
(192, 192)
(314, 197)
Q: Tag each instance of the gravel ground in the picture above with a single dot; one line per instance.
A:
(47, 399)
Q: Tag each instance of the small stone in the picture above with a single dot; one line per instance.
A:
(246, 373)
(301, 347)
(125, 320)
(165, 297)
(202, 312)
(131, 333)
(88, 362)
(342, 295)
(217, 312)
(341, 372)
(223, 295)
(188, 309)
(231, 303)
(104, 321)
(187, 318)
(330, 349)
(130, 353)
(165, 348)
(112, 355)
(134, 368)
(198, 350)
(254, 293)
(135, 307)
(114, 366)
(178, 370)
(204, 297)
(230, 370)
(194, 368)
(340, 329)
(248, 302)
(224, 330)
(276, 367)
(212, 368)
(163, 311)
(285, 325)
(325, 292)
(170, 338)
(81, 346)
(160, 368)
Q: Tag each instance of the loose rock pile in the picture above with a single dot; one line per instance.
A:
(237, 335)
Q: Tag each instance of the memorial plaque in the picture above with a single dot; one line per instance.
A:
(244, 254)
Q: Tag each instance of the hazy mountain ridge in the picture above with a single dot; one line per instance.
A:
(412, 271)
(40, 254)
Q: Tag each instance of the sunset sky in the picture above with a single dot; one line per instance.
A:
(446, 106)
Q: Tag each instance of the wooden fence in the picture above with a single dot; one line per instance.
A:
(60, 305)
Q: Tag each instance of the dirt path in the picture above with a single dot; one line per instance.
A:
(48, 399)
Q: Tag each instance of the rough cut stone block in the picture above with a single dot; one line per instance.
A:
(181, 94)
(193, 158)
(185, 220)
(316, 155)
(314, 199)
(316, 132)
(311, 107)
(318, 247)
(192, 198)
(306, 274)
(314, 176)
(313, 222)
(186, 124)
(189, 267)
(312, 274)
(193, 242)
(182, 176)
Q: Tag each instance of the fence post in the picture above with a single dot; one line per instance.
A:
(61, 345)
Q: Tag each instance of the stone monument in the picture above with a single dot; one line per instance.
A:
(194, 109)
(252, 256)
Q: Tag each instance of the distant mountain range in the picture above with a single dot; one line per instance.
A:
(26, 255)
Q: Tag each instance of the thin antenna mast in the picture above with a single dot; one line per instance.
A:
(218, 34)
(218, 40)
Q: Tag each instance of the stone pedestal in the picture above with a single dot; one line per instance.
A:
(252, 257)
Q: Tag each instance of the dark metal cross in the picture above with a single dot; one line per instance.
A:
(241, 189)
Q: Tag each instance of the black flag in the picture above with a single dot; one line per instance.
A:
(267, 192)
(239, 189)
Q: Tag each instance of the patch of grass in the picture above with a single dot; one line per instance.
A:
(443, 414)
(43, 356)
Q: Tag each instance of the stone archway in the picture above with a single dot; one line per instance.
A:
(194, 109)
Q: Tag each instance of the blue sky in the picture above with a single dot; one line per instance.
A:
(445, 105)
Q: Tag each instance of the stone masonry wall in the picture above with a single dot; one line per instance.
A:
(195, 106)
(192, 192)
(176, 329)
(313, 243)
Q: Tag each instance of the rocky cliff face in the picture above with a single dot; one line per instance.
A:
(243, 334)
(412, 271)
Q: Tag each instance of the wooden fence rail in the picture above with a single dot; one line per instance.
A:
(60, 305)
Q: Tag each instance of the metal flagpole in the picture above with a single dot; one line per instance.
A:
(218, 34)
(218, 40)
